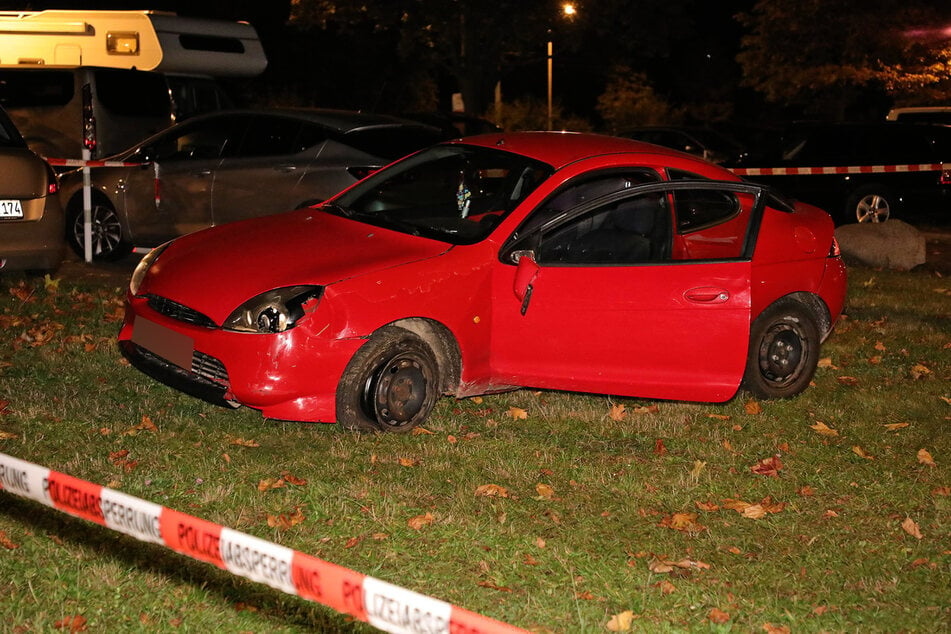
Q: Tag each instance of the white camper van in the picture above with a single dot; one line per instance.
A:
(102, 80)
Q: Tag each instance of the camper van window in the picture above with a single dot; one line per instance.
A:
(30, 88)
(194, 42)
(129, 92)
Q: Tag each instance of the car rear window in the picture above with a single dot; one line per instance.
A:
(394, 142)
(9, 136)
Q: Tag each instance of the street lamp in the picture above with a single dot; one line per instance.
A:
(569, 11)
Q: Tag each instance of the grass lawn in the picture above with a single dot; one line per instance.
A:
(827, 512)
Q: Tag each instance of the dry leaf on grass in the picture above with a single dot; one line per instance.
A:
(491, 491)
(910, 526)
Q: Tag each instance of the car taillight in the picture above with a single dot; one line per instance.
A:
(360, 173)
(89, 121)
(52, 182)
(945, 178)
(834, 250)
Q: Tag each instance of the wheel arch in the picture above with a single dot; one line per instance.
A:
(814, 304)
(443, 344)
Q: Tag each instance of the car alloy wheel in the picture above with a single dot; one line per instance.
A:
(872, 208)
(107, 240)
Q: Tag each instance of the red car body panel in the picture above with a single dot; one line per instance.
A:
(673, 330)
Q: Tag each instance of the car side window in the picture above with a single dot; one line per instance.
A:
(271, 136)
(202, 141)
(712, 224)
(633, 230)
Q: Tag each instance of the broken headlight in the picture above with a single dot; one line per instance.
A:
(273, 311)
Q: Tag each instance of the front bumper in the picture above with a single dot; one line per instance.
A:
(291, 375)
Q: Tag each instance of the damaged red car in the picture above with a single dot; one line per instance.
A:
(547, 260)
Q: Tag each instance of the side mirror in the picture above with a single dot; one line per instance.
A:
(525, 274)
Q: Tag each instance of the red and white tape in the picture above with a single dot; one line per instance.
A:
(83, 163)
(850, 169)
(383, 605)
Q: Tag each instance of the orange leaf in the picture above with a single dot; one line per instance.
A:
(858, 451)
(419, 431)
(823, 430)
(684, 522)
(6, 542)
(291, 479)
(910, 526)
(659, 448)
(896, 426)
(847, 380)
(718, 616)
(241, 442)
(753, 407)
(491, 491)
(617, 412)
(768, 467)
(269, 484)
(621, 622)
(517, 413)
(74, 623)
(418, 522)
(409, 462)
(924, 457)
(544, 491)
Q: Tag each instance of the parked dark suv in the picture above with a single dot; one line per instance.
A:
(874, 171)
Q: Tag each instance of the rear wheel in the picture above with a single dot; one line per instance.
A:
(391, 384)
(108, 242)
(783, 352)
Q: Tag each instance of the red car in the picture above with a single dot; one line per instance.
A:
(551, 260)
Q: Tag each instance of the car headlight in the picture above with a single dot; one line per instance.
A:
(273, 311)
(143, 267)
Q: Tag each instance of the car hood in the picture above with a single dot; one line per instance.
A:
(215, 270)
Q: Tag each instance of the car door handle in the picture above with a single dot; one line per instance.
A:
(285, 168)
(707, 295)
(201, 173)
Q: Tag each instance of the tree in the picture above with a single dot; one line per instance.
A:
(827, 56)
(630, 101)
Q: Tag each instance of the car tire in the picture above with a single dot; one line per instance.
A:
(783, 352)
(871, 204)
(391, 383)
(108, 242)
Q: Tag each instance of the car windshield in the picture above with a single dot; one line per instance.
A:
(454, 193)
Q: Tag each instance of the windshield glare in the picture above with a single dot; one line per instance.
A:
(454, 193)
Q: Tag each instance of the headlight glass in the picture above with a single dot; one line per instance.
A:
(142, 268)
(273, 311)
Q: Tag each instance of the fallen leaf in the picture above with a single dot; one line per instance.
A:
(683, 522)
(285, 521)
(895, 426)
(617, 412)
(847, 380)
(698, 466)
(910, 526)
(517, 413)
(419, 431)
(74, 623)
(492, 586)
(718, 616)
(646, 409)
(659, 448)
(754, 512)
(919, 371)
(769, 467)
(545, 492)
(621, 622)
(753, 407)
(6, 435)
(241, 442)
(666, 587)
(707, 506)
(769, 628)
(924, 457)
(290, 479)
(826, 362)
(269, 484)
(858, 451)
(418, 522)
(491, 491)
(718, 416)
(6, 542)
(409, 462)
(823, 430)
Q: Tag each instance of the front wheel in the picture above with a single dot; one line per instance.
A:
(390, 384)
(108, 243)
(783, 352)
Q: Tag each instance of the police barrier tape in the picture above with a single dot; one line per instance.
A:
(383, 605)
(90, 163)
(850, 169)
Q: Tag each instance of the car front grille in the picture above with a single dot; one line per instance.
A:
(177, 311)
(207, 366)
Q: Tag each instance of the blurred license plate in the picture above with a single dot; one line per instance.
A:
(11, 209)
(168, 344)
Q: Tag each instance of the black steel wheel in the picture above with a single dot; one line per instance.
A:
(783, 352)
(391, 384)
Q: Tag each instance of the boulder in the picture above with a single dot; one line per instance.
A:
(891, 245)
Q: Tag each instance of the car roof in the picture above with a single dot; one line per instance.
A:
(559, 149)
(341, 121)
